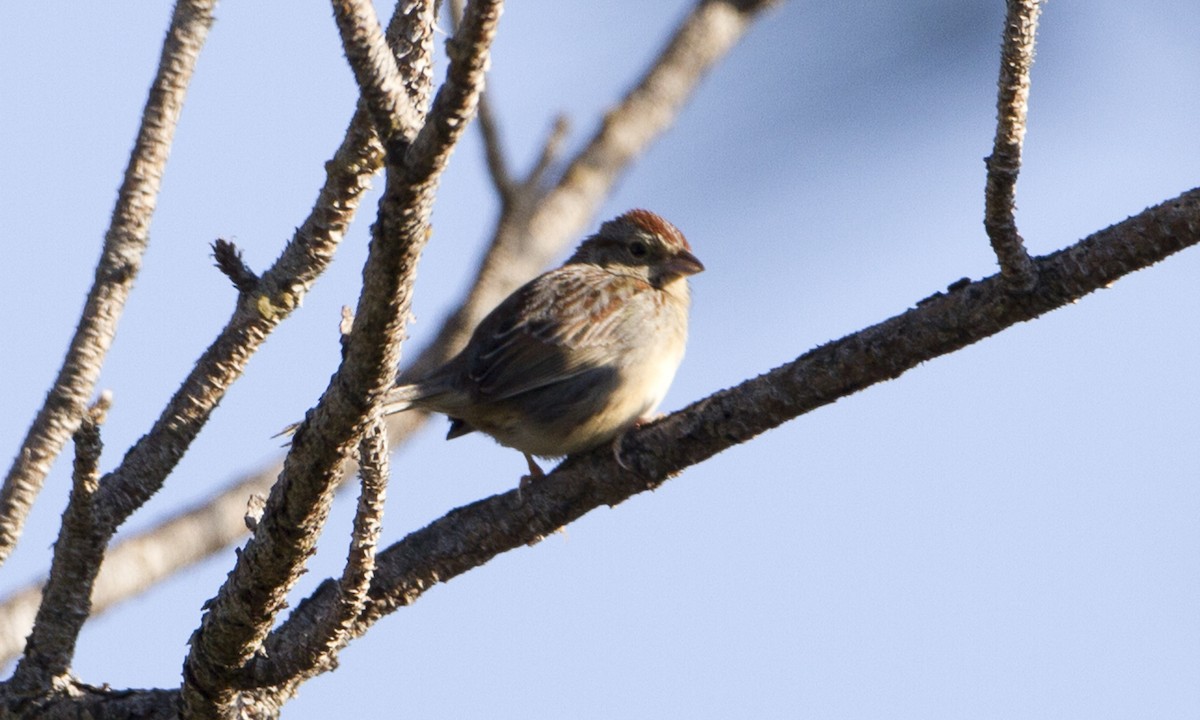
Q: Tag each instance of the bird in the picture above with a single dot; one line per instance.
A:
(577, 356)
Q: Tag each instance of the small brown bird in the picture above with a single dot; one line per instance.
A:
(576, 356)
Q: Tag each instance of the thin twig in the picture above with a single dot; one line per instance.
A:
(551, 150)
(493, 150)
(228, 259)
(472, 535)
(334, 629)
(124, 244)
(1003, 165)
(66, 600)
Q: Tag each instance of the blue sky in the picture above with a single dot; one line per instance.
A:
(1010, 531)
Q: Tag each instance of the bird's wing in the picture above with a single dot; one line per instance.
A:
(556, 327)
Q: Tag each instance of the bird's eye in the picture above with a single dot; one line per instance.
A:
(637, 249)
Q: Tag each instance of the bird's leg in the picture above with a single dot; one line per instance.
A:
(535, 473)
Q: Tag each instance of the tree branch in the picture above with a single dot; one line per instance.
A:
(333, 630)
(374, 64)
(493, 148)
(77, 556)
(229, 261)
(1003, 165)
(124, 244)
(940, 324)
(239, 617)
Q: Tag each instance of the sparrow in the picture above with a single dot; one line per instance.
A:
(578, 355)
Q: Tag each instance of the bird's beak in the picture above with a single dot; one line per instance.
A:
(682, 264)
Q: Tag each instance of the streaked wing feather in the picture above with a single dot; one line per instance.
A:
(549, 345)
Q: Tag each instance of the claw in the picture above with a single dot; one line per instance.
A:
(616, 448)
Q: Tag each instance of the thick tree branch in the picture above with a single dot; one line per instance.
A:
(1003, 165)
(77, 556)
(124, 244)
(940, 324)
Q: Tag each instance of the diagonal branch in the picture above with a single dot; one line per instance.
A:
(1003, 165)
(943, 323)
(374, 64)
(124, 244)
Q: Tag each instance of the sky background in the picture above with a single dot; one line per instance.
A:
(1010, 531)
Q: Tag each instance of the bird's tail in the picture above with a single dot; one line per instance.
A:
(399, 399)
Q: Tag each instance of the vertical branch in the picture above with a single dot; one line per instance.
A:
(333, 630)
(489, 131)
(124, 243)
(66, 599)
(1003, 165)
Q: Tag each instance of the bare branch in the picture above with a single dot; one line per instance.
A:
(943, 323)
(489, 131)
(551, 149)
(228, 259)
(241, 614)
(493, 150)
(140, 561)
(456, 100)
(1003, 165)
(66, 601)
(375, 70)
(124, 243)
(333, 630)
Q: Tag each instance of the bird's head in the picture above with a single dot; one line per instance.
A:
(641, 244)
